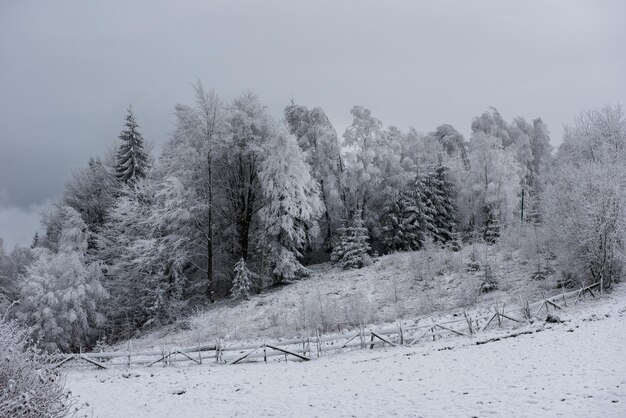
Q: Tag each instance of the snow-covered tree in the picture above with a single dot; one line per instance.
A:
(249, 128)
(318, 139)
(585, 197)
(144, 257)
(361, 176)
(61, 294)
(352, 249)
(493, 181)
(91, 192)
(131, 160)
(190, 157)
(242, 281)
(491, 224)
(401, 222)
(440, 196)
(292, 206)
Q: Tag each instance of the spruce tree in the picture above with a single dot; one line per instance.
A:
(242, 282)
(351, 251)
(437, 200)
(131, 160)
(491, 226)
(445, 212)
(402, 230)
(425, 201)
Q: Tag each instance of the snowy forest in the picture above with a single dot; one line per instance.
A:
(237, 202)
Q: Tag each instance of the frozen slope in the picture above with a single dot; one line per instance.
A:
(577, 368)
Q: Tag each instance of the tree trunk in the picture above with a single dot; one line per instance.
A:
(209, 269)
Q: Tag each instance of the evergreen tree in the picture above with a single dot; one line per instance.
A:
(61, 294)
(242, 282)
(426, 199)
(402, 230)
(491, 227)
(351, 251)
(444, 210)
(131, 160)
(292, 206)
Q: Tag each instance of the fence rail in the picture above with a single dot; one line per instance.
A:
(315, 346)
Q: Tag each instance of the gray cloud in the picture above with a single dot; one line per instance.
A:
(69, 69)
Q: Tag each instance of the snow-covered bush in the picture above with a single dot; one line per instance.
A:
(29, 387)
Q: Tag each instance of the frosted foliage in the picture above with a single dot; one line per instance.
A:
(376, 163)
(90, 191)
(144, 255)
(352, 250)
(585, 197)
(29, 386)
(492, 181)
(292, 205)
(318, 139)
(242, 281)
(61, 294)
(131, 160)
(401, 222)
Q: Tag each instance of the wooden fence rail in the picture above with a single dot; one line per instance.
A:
(303, 349)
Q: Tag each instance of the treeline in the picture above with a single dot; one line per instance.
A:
(238, 201)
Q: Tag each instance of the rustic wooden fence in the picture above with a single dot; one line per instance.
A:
(315, 346)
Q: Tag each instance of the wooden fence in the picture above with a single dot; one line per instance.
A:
(315, 346)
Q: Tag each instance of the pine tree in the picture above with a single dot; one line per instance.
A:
(445, 212)
(242, 282)
(425, 199)
(131, 160)
(402, 230)
(491, 225)
(437, 198)
(351, 251)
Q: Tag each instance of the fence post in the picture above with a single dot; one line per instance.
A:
(265, 353)
(130, 351)
(498, 315)
(400, 333)
(361, 336)
(469, 323)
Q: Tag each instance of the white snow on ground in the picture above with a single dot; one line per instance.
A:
(397, 286)
(577, 368)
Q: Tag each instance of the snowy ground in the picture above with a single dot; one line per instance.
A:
(572, 369)
(397, 286)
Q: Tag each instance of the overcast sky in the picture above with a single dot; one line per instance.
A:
(69, 70)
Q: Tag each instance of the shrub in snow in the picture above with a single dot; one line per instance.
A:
(242, 283)
(29, 387)
(61, 294)
(351, 251)
(489, 280)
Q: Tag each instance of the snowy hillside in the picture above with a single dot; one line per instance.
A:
(570, 369)
(397, 286)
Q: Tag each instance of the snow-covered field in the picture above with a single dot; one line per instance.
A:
(576, 368)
